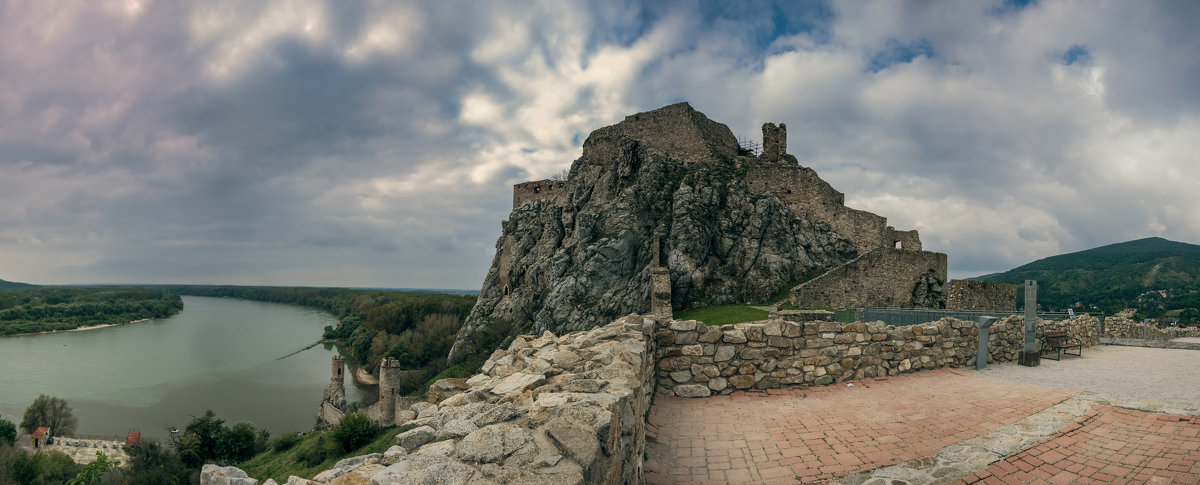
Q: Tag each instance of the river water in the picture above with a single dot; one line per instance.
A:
(217, 354)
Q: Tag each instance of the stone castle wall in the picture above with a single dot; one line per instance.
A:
(909, 240)
(805, 193)
(677, 131)
(884, 277)
(554, 191)
(981, 295)
(698, 360)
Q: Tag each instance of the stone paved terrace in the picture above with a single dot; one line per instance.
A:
(1009, 424)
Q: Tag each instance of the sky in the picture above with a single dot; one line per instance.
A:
(375, 143)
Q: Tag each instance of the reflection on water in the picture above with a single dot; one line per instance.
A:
(217, 354)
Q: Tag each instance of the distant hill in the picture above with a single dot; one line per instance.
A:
(12, 285)
(1153, 274)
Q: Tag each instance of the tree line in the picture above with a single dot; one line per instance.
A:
(41, 309)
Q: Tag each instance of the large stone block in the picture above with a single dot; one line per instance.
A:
(724, 353)
(692, 390)
(753, 331)
(742, 381)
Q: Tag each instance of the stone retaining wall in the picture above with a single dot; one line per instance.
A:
(1125, 328)
(696, 360)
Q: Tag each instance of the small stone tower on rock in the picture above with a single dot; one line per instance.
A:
(333, 401)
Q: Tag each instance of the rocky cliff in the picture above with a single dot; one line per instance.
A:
(662, 188)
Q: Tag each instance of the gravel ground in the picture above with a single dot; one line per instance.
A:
(1192, 340)
(1170, 375)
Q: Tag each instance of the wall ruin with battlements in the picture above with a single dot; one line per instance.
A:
(554, 191)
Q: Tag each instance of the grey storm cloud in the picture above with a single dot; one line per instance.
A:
(375, 143)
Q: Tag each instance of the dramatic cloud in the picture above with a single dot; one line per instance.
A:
(375, 143)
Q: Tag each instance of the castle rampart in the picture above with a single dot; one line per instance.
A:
(807, 194)
(883, 277)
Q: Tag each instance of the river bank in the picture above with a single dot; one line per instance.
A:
(363, 377)
(218, 354)
(78, 329)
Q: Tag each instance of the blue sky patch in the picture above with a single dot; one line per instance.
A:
(1077, 54)
(896, 53)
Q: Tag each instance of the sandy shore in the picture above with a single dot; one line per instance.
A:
(81, 329)
(1125, 372)
(363, 377)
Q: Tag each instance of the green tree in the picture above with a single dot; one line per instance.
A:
(241, 442)
(51, 412)
(207, 439)
(93, 472)
(199, 441)
(354, 431)
(8, 432)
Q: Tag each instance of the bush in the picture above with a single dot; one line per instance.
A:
(354, 431)
(151, 463)
(8, 432)
(50, 466)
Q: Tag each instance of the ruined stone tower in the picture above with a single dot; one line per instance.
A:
(390, 373)
(333, 401)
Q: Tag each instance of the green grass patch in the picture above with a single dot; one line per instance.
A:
(723, 314)
(458, 372)
(278, 465)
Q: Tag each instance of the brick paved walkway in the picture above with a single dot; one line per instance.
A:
(1108, 445)
(810, 434)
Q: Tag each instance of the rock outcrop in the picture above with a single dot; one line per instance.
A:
(549, 410)
(666, 188)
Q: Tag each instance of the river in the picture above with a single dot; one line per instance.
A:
(217, 354)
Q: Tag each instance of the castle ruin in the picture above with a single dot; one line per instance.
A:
(891, 270)
(383, 411)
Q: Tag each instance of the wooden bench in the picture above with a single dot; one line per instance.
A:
(1059, 340)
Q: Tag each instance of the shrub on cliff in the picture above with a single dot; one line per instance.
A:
(354, 431)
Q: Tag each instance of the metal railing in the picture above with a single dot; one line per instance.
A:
(916, 316)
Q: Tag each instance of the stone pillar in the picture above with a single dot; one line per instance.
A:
(1030, 356)
(774, 142)
(660, 292)
(981, 347)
